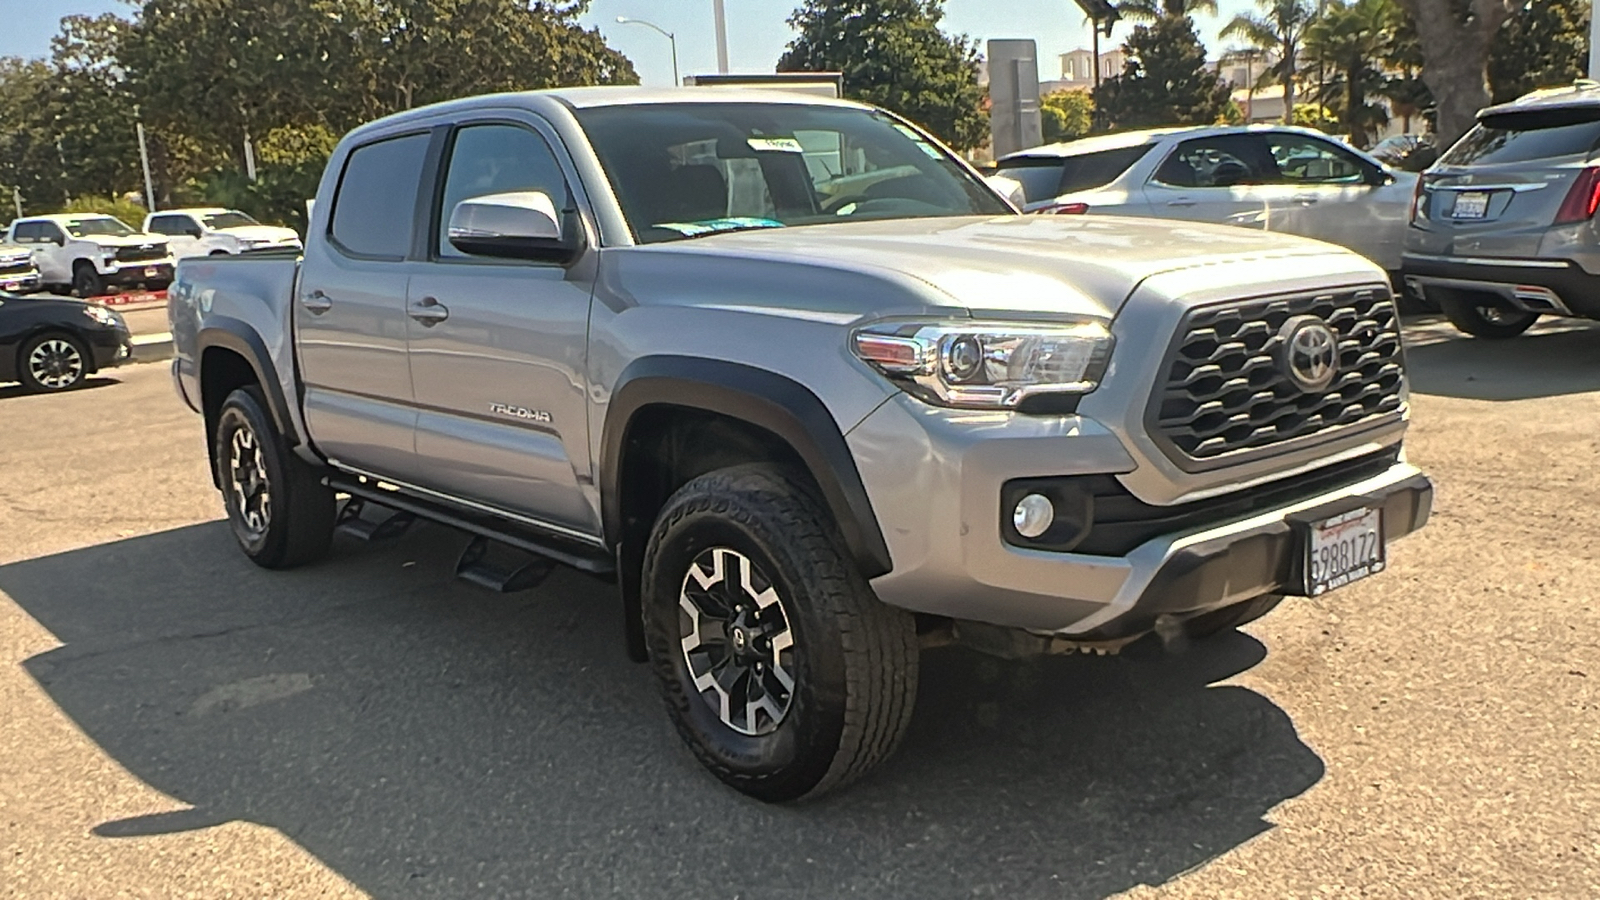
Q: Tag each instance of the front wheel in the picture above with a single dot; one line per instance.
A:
(53, 362)
(1490, 317)
(86, 282)
(280, 512)
(781, 670)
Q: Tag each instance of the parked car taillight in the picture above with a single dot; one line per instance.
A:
(1416, 199)
(1582, 198)
(1065, 209)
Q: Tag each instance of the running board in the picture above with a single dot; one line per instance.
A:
(352, 524)
(476, 567)
(594, 560)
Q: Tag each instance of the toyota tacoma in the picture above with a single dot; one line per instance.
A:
(811, 393)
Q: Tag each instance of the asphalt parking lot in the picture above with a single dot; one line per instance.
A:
(179, 723)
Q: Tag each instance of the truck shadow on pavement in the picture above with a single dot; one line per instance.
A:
(427, 739)
(1555, 358)
(8, 391)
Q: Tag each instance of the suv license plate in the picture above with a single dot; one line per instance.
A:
(152, 272)
(1343, 549)
(1471, 205)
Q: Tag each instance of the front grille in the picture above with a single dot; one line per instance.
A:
(141, 253)
(16, 268)
(1226, 394)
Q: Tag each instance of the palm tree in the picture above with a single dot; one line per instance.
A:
(1151, 10)
(1351, 39)
(1281, 26)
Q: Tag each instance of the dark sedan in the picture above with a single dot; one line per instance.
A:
(53, 343)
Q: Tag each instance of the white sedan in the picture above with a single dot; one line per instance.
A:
(1276, 178)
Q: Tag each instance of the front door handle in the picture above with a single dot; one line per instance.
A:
(316, 302)
(1307, 199)
(1181, 201)
(429, 311)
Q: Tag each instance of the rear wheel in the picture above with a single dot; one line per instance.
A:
(781, 670)
(1488, 317)
(280, 512)
(53, 362)
(86, 282)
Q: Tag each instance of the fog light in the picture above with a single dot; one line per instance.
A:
(1033, 516)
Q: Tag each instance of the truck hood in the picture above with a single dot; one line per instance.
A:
(11, 254)
(267, 233)
(126, 240)
(1076, 265)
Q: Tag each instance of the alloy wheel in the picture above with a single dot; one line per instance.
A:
(737, 641)
(55, 363)
(247, 472)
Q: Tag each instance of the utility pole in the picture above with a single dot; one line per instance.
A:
(1594, 40)
(144, 160)
(16, 198)
(721, 18)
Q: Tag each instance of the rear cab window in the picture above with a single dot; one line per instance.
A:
(1047, 177)
(1529, 135)
(375, 205)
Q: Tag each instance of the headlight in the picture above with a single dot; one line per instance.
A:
(989, 365)
(108, 255)
(101, 314)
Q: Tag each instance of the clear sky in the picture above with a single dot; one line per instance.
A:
(757, 31)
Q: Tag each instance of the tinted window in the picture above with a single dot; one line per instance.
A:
(171, 224)
(49, 231)
(689, 169)
(377, 197)
(1083, 172)
(1306, 160)
(1222, 160)
(26, 232)
(229, 219)
(1522, 139)
(497, 159)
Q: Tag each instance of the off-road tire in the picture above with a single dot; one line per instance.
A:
(1230, 617)
(299, 527)
(86, 282)
(58, 342)
(854, 658)
(1493, 319)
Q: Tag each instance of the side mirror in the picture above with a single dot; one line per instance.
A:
(194, 231)
(519, 225)
(1379, 176)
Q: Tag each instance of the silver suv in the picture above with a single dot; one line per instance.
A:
(1503, 227)
(811, 394)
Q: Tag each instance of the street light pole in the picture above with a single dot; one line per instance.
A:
(624, 20)
(719, 15)
(1594, 40)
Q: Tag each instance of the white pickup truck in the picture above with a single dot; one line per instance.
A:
(90, 252)
(214, 231)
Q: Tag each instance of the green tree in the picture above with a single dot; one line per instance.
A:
(1151, 10)
(1164, 82)
(1350, 41)
(1281, 27)
(1542, 44)
(1315, 115)
(1066, 115)
(893, 54)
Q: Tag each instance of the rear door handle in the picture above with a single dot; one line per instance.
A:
(429, 311)
(316, 302)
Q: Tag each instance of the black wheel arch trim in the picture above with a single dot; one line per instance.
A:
(236, 335)
(762, 398)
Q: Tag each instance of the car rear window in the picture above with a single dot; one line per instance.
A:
(1044, 177)
(1527, 136)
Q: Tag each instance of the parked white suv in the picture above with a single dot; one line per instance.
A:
(212, 231)
(90, 252)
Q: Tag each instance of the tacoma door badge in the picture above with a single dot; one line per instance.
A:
(520, 412)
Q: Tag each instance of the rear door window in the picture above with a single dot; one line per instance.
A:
(1526, 137)
(1222, 160)
(376, 202)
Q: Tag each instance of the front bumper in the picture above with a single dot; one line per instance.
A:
(935, 480)
(110, 347)
(21, 282)
(1545, 286)
(156, 271)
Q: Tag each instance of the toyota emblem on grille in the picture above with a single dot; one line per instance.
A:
(1309, 353)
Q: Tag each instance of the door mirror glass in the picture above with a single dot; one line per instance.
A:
(516, 225)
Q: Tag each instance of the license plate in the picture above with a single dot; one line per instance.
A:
(1344, 549)
(151, 272)
(9, 285)
(1471, 205)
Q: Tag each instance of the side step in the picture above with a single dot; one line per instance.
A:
(549, 548)
(351, 523)
(476, 567)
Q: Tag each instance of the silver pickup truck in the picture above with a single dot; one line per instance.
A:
(807, 390)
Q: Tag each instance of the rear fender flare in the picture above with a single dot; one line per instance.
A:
(235, 335)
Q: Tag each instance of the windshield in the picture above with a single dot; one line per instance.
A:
(229, 219)
(689, 169)
(1527, 136)
(97, 225)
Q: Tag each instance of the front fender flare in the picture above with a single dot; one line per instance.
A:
(762, 398)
